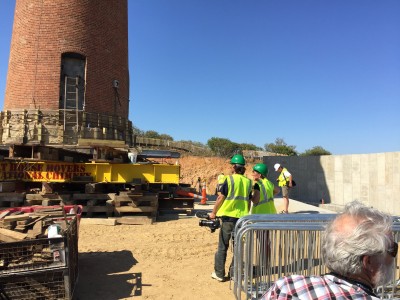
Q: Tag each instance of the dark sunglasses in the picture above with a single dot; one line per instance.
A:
(394, 249)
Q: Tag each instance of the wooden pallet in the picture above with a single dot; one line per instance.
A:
(176, 204)
(136, 199)
(91, 210)
(94, 204)
(46, 199)
(11, 199)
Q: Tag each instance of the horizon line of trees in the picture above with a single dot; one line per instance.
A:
(226, 148)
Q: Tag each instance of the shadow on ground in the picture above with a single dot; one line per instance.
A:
(103, 272)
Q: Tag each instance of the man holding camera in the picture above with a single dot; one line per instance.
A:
(233, 202)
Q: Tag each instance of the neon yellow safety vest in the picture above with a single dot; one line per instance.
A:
(266, 204)
(282, 180)
(236, 202)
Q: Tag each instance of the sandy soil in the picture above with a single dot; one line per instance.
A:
(170, 259)
(207, 168)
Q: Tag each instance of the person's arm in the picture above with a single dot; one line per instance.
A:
(223, 192)
(217, 205)
(289, 176)
(290, 180)
(276, 190)
(256, 194)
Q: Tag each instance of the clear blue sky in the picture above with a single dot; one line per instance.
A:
(313, 72)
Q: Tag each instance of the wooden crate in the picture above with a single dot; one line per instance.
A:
(176, 204)
(136, 199)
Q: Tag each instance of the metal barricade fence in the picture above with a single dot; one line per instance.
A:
(304, 218)
(268, 247)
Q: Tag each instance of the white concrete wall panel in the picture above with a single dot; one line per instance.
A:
(373, 179)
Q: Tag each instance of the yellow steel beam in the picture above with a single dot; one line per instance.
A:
(100, 172)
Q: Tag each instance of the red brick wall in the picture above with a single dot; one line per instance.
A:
(44, 29)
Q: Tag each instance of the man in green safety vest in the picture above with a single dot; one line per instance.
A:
(233, 202)
(263, 191)
(263, 203)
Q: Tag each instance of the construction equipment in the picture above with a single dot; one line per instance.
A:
(102, 179)
(117, 173)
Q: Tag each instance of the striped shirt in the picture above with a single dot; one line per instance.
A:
(315, 288)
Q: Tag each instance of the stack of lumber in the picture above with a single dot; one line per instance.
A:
(19, 225)
(135, 204)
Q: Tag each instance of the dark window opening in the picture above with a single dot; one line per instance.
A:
(72, 81)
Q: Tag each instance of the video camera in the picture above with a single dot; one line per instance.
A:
(212, 224)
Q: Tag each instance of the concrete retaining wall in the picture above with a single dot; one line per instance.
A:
(373, 179)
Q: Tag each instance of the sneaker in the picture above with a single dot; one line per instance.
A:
(283, 212)
(214, 276)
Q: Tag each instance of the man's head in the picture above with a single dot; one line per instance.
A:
(238, 162)
(261, 169)
(359, 244)
(277, 167)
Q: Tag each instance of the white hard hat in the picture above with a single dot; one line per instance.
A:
(277, 166)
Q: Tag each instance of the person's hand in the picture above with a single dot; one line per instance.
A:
(290, 184)
(212, 216)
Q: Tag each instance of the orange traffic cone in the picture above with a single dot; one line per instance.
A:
(187, 194)
(203, 194)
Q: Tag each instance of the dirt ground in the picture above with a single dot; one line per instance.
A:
(207, 168)
(170, 259)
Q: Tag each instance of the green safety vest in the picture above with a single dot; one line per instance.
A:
(236, 202)
(266, 204)
(282, 180)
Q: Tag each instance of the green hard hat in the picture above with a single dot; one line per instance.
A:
(238, 160)
(261, 168)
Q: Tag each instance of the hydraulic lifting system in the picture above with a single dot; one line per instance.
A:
(115, 187)
(95, 172)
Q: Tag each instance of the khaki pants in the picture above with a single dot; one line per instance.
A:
(285, 191)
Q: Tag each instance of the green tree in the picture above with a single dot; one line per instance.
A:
(166, 137)
(316, 151)
(152, 134)
(281, 147)
(137, 131)
(252, 147)
(198, 144)
(223, 147)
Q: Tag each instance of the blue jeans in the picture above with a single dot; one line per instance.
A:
(225, 234)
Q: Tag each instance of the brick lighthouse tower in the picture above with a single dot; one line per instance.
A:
(68, 76)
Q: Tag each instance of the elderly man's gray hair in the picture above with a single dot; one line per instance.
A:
(344, 245)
